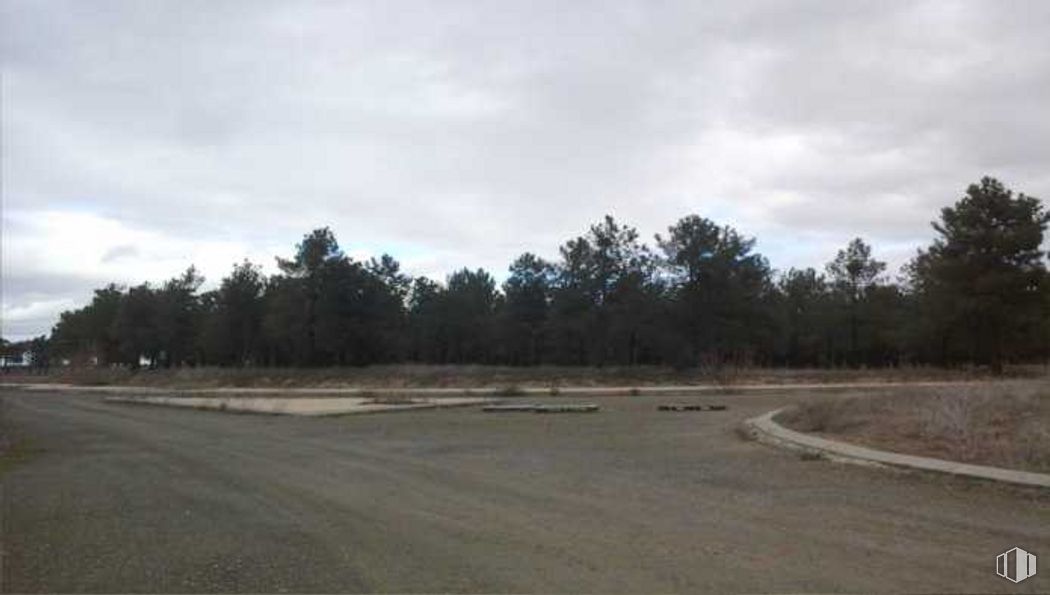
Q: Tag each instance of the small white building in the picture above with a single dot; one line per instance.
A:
(22, 360)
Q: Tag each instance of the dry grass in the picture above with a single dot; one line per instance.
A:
(506, 377)
(389, 400)
(1004, 424)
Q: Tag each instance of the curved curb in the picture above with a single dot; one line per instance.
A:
(765, 430)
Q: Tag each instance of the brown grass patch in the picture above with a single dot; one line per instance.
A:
(506, 377)
(1004, 424)
(372, 399)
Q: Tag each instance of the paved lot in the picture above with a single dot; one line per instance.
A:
(131, 498)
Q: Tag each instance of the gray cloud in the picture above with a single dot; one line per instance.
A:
(118, 252)
(459, 134)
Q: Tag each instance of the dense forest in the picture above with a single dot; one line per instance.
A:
(699, 295)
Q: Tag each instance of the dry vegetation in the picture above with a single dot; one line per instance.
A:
(1005, 424)
(476, 376)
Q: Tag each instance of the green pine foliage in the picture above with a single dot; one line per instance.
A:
(978, 295)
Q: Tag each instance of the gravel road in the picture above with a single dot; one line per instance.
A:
(126, 498)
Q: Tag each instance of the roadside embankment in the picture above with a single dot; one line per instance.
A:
(506, 378)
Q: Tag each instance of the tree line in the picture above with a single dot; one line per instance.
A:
(698, 295)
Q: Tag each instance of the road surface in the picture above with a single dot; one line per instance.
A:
(126, 498)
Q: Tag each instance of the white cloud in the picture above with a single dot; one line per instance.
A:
(140, 137)
(69, 243)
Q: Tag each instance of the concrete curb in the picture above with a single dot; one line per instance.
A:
(765, 430)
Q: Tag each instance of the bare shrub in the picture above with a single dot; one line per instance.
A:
(835, 414)
(950, 418)
(511, 390)
(815, 416)
(1033, 445)
(374, 399)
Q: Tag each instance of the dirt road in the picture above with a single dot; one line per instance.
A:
(136, 498)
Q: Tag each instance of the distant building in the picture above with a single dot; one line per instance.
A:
(23, 359)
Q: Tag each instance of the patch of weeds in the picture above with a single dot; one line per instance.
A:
(374, 399)
(811, 455)
(511, 390)
(816, 416)
(1033, 446)
(745, 433)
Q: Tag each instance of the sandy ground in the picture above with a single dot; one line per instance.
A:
(630, 499)
(301, 406)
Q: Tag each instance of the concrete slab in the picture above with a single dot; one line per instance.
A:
(297, 406)
(542, 408)
(690, 407)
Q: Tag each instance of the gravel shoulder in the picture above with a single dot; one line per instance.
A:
(630, 499)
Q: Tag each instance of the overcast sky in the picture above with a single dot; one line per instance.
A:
(140, 136)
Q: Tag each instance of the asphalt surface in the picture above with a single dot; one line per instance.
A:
(133, 498)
